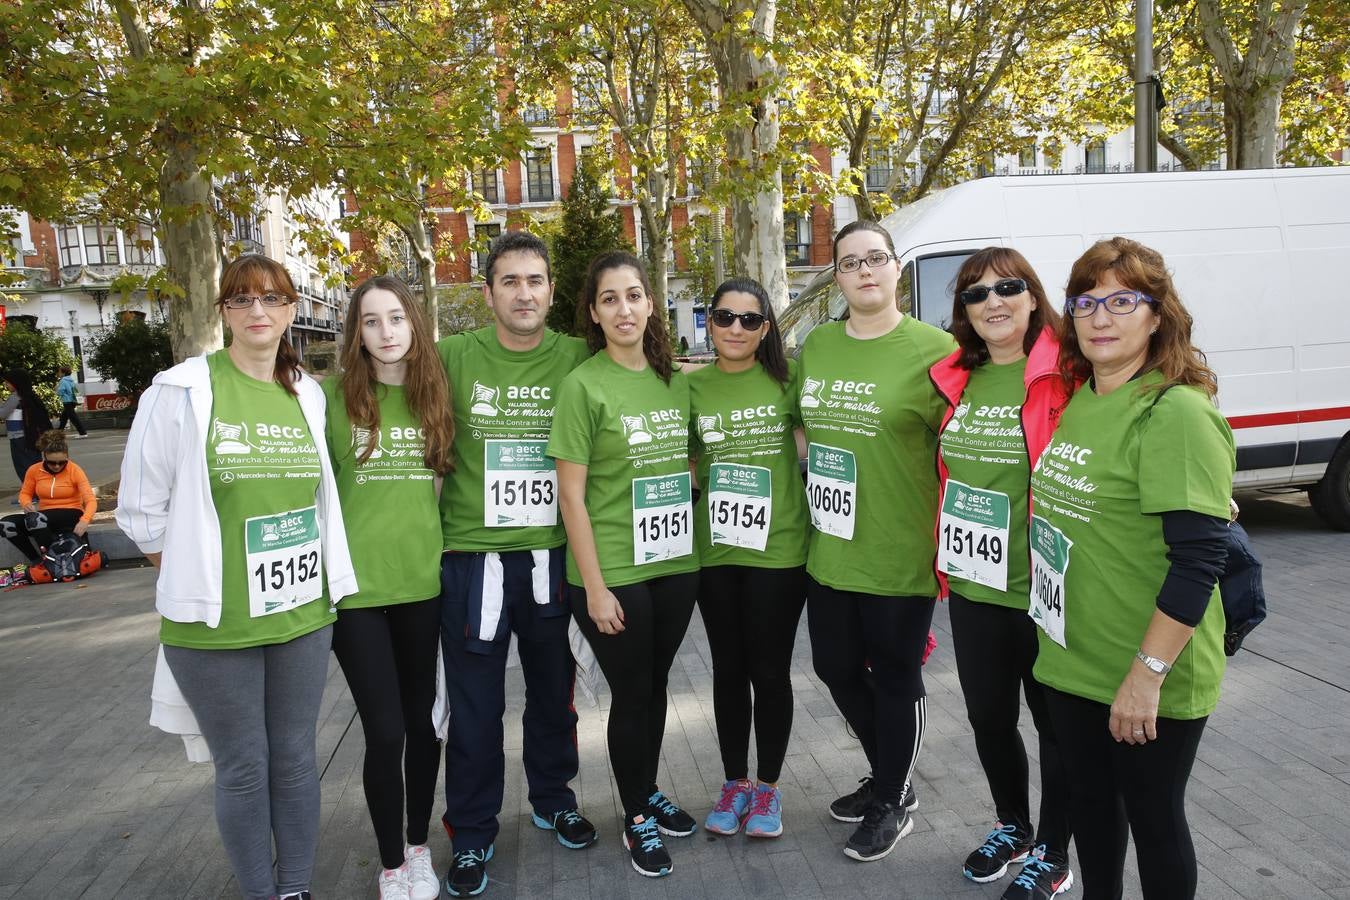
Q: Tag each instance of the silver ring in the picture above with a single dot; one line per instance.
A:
(1139, 731)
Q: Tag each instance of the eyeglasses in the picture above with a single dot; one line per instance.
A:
(875, 260)
(244, 301)
(55, 463)
(1119, 303)
(1008, 287)
(723, 318)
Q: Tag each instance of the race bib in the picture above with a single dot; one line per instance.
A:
(740, 505)
(520, 485)
(832, 489)
(285, 561)
(663, 516)
(1049, 561)
(973, 535)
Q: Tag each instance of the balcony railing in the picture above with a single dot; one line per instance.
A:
(797, 254)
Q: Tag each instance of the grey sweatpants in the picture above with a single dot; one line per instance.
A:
(258, 709)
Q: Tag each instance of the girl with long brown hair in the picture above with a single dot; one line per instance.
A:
(228, 489)
(390, 428)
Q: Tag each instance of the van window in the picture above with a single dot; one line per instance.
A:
(936, 281)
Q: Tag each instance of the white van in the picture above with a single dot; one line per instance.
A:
(1261, 259)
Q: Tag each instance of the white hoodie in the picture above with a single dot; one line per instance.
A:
(164, 504)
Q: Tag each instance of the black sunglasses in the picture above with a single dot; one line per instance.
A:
(1007, 287)
(723, 318)
(55, 463)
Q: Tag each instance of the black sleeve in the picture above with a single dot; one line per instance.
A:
(1197, 550)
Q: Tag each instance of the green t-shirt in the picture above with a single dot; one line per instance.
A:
(503, 494)
(631, 430)
(982, 529)
(743, 427)
(264, 469)
(1113, 464)
(871, 416)
(388, 502)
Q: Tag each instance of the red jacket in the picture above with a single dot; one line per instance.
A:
(1044, 402)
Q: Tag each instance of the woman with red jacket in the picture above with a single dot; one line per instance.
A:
(58, 489)
(1004, 396)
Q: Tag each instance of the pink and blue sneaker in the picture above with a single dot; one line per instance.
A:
(731, 807)
(765, 819)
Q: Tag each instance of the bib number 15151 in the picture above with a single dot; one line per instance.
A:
(663, 518)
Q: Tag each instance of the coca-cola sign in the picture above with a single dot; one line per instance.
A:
(106, 402)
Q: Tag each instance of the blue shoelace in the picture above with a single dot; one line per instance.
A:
(1035, 867)
(647, 834)
(470, 858)
(661, 803)
(1001, 835)
(569, 817)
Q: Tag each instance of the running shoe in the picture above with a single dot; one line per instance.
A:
(852, 807)
(883, 825)
(642, 837)
(730, 808)
(670, 818)
(468, 873)
(573, 829)
(1004, 845)
(394, 884)
(422, 881)
(1046, 874)
(766, 813)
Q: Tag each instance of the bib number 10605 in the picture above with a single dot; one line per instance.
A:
(832, 489)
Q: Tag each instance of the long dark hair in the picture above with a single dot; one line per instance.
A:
(1006, 263)
(770, 351)
(424, 384)
(253, 273)
(655, 339)
(36, 419)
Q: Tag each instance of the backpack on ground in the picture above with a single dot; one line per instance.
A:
(68, 558)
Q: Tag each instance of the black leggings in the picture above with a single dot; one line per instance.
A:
(1119, 789)
(868, 649)
(995, 650)
(751, 616)
(636, 663)
(59, 521)
(388, 654)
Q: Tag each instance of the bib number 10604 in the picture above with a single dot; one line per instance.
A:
(1049, 564)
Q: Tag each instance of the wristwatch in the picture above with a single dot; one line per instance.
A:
(1155, 665)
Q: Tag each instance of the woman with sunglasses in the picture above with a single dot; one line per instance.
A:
(389, 433)
(228, 489)
(1004, 396)
(750, 527)
(59, 490)
(1129, 517)
(620, 436)
(871, 418)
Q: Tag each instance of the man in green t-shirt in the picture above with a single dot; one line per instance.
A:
(503, 564)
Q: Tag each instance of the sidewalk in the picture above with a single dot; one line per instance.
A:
(94, 803)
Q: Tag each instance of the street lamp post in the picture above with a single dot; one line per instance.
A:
(1145, 90)
(75, 344)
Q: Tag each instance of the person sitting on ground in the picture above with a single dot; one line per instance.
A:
(58, 489)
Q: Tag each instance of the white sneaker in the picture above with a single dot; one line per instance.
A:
(422, 881)
(394, 884)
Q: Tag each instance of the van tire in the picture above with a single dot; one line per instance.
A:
(1330, 497)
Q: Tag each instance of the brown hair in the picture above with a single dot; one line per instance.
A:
(253, 273)
(1142, 269)
(655, 339)
(1006, 263)
(425, 386)
(53, 441)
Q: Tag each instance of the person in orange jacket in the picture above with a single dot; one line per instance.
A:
(59, 490)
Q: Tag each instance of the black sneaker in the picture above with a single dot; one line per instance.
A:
(670, 818)
(1045, 875)
(468, 873)
(574, 830)
(910, 801)
(852, 807)
(1005, 844)
(883, 825)
(642, 837)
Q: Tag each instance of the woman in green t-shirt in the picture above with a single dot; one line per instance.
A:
(390, 428)
(227, 488)
(750, 525)
(620, 436)
(1004, 396)
(871, 418)
(1129, 516)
